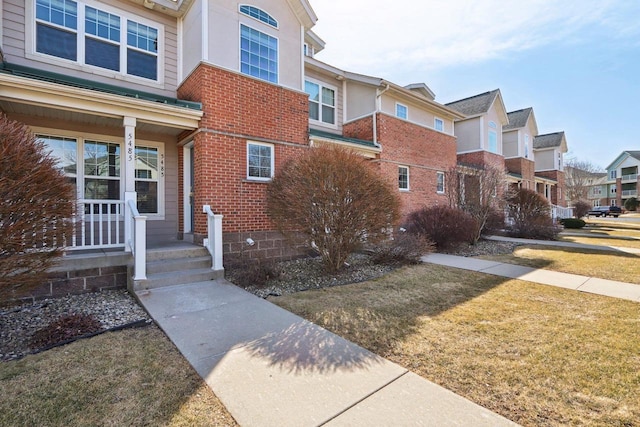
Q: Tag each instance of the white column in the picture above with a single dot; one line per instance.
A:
(129, 124)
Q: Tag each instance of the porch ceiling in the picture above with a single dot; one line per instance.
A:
(34, 98)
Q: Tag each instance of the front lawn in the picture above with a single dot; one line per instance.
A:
(128, 378)
(536, 354)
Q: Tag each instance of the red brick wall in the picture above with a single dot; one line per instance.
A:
(481, 158)
(524, 167)
(238, 109)
(359, 129)
(559, 177)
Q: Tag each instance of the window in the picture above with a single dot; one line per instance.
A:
(322, 102)
(101, 170)
(259, 161)
(147, 178)
(438, 124)
(258, 14)
(493, 141)
(596, 203)
(403, 178)
(402, 111)
(258, 54)
(440, 182)
(100, 41)
(612, 174)
(559, 161)
(526, 146)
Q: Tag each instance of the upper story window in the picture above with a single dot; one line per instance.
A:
(559, 161)
(258, 14)
(612, 174)
(322, 102)
(526, 146)
(73, 31)
(258, 54)
(493, 141)
(493, 125)
(402, 111)
(438, 124)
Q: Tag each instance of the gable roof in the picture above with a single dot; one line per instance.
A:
(622, 156)
(550, 140)
(422, 89)
(518, 119)
(479, 104)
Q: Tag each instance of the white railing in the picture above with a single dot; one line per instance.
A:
(97, 225)
(629, 193)
(213, 242)
(136, 231)
(559, 212)
(632, 177)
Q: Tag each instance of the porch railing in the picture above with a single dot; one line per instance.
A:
(137, 240)
(559, 212)
(213, 242)
(631, 177)
(629, 193)
(97, 224)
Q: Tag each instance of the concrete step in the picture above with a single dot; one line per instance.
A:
(178, 264)
(159, 280)
(186, 251)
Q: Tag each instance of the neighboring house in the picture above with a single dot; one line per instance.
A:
(479, 133)
(517, 148)
(622, 178)
(598, 190)
(549, 150)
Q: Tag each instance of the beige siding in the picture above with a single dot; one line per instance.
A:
(192, 38)
(224, 37)
(16, 36)
(418, 113)
(330, 82)
(361, 100)
(510, 143)
(468, 134)
(545, 160)
(493, 116)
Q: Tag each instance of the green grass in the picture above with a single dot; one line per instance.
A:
(132, 377)
(539, 355)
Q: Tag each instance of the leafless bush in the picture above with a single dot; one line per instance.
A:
(404, 249)
(580, 208)
(445, 226)
(333, 198)
(35, 208)
(530, 214)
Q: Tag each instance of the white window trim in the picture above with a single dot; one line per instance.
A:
(444, 183)
(31, 53)
(435, 124)
(408, 178)
(272, 166)
(80, 176)
(277, 26)
(398, 104)
(268, 30)
(493, 132)
(322, 84)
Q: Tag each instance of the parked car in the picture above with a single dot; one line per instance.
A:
(613, 211)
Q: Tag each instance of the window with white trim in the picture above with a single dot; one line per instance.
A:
(258, 54)
(322, 102)
(148, 169)
(259, 161)
(612, 174)
(438, 124)
(403, 178)
(258, 14)
(99, 37)
(493, 141)
(526, 146)
(402, 111)
(440, 182)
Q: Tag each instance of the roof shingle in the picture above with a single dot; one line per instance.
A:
(478, 104)
(549, 140)
(518, 119)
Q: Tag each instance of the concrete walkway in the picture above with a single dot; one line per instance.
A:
(270, 367)
(635, 251)
(610, 288)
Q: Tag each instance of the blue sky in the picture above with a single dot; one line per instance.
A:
(576, 62)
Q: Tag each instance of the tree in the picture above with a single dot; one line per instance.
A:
(478, 190)
(579, 175)
(581, 208)
(335, 200)
(36, 205)
(631, 204)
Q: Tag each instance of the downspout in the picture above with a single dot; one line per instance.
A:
(378, 108)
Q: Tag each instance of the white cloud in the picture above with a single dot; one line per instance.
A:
(376, 36)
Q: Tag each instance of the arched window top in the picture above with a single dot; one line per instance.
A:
(258, 14)
(493, 125)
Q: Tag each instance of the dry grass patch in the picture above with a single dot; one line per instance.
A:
(538, 355)
(594, 240)
(603, 264)
(132, 377)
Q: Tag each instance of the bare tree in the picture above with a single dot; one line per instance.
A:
(480, 191)
(579, 176)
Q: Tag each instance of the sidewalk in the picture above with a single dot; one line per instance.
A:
(635, 251)
(270, 367)
(576, 282)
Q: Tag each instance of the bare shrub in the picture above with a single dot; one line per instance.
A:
(530, 215)
(333, 198)
(253, 272)
(580, 208)
(403, 249)
(35, 209)
(445, 226)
